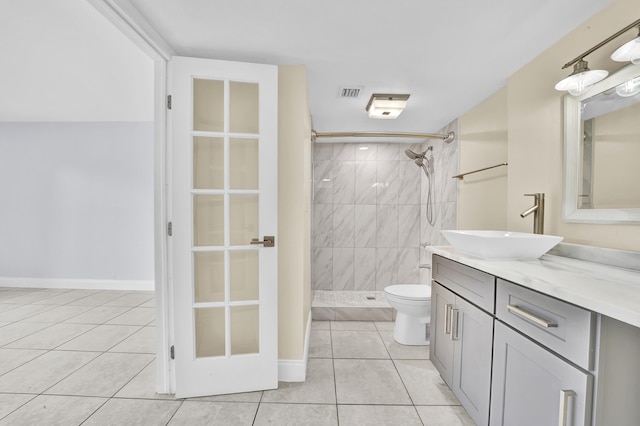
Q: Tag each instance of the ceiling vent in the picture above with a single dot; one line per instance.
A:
(350, 92)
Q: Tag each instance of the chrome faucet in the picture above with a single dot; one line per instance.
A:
(538, 212)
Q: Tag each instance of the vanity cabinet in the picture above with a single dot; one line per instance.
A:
(462, 334)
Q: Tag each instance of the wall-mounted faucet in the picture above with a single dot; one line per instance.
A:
(538, 212)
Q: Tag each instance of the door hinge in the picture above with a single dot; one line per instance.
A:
(170, 228)
(172, 352)
(169, 101)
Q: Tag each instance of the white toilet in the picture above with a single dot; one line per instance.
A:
(413, 303)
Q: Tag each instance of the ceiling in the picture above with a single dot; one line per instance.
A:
(449, 55)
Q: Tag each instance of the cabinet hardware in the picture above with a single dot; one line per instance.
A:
(447, 318)
(455, 314)
(564, 402)
(530, 316)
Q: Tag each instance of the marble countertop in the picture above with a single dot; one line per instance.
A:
(609, 290)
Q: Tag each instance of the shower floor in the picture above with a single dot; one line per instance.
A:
(350, 306)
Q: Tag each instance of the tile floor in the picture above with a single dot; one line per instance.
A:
(71, 357)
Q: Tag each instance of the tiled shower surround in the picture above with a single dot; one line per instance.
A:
(369, 212)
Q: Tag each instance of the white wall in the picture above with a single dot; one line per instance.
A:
(76, 146)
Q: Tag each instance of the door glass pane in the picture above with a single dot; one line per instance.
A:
(243, 107)
(243, 218)
(244, 275)
(245, 330)
(243, 163)
(208, 105)
(209, 276)
(209, 330)
(208, 220)
(208, 163)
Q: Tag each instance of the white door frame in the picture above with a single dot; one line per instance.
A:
(133, 25)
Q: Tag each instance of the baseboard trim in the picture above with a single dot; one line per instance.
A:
(128, 285)
(291, 370)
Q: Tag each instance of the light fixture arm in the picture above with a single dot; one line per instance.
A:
(635, 23)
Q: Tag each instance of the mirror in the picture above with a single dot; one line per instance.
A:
(602, 151)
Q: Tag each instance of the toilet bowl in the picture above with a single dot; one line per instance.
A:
(413, 305)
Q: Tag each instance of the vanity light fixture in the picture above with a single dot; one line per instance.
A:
(386, 106)
(629, 88)
(582, 78)
(628, 52)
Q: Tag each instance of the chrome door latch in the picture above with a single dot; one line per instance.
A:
(269, 241)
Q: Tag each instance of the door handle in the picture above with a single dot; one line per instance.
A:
(455, 314)
(530, 316)
(564, 403)
(447, 318)
(269, 241)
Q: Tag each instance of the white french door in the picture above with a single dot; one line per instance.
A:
(223, 127)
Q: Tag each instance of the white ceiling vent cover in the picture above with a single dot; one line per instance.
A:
(350, 92)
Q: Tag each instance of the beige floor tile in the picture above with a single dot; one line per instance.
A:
(444, 416)
(64, 298)
(358, 344)
(369, 382)
(98, 315)
(135, 316)
(233, 397)
(100, 338)
(143, 385)
(214, 413)
(58, 314)
(143, 412)
(424, 383)
(319, 387)
(385, 325)
(398, 351)
(104, 376)
(51, 337)
(296, 415)
(320, 344)
(352, 325)
(23, 311)
(98, 299)
(131, 299)
(7, 306)
(54, 411)
(44, 371)
(142, 341)
(17, 330)
(381, 415)
(12, 358)
(10, 402)
(320, 325)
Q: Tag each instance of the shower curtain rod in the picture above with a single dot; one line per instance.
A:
(446, 137)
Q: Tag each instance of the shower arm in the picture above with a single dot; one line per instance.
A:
(446, 137)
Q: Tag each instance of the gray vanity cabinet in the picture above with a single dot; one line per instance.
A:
(534, 387)
(462, 334)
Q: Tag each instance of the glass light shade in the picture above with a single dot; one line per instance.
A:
(386, 109)
(576, 84)
(629, 88)
(628, 52)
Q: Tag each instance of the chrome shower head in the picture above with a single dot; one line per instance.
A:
(412, 154)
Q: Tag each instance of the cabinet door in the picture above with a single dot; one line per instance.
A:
(441, 347)
(473, 337)
(532, 386)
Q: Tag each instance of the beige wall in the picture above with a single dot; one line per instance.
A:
(294, 201)
(482, 196)
(535, 130)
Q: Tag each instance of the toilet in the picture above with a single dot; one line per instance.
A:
(413, 305)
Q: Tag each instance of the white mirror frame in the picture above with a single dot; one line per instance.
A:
(572, 160)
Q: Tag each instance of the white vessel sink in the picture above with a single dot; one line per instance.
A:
(501, 244)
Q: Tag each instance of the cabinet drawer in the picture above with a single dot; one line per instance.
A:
(476, 286)
(564, 328)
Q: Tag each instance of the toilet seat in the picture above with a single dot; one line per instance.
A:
(410, 291)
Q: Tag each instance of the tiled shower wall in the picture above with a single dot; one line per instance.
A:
(369, 212)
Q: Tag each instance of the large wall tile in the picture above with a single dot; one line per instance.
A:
(343, 225)
(408, 266)
(367, 151)
(322, 235)
(365, 182)
(409, 178)
(323, 151)
(344, 175)
(322, 260)
(386, 267)
(344, 152)
(343, 268)
(409, 225)
(387, 225)
(387, 182)
(323, 182)
(365, 269)
(365, 225)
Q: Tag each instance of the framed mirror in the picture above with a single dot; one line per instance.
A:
(602, 151)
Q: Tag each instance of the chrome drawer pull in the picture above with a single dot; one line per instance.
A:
(455, 315)
(447, 318)
(531, 317)
(564, 402)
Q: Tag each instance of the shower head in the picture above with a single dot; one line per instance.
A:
(412, 154)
